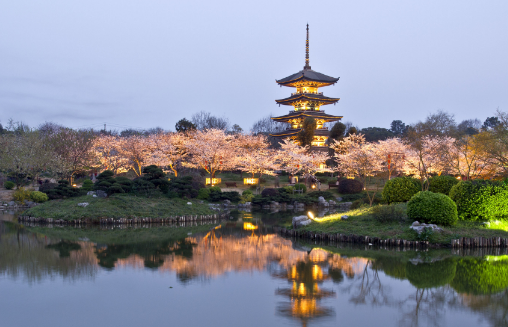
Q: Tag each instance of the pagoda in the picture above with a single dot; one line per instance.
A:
(307, 102)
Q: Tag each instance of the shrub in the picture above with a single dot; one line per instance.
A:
(350, 186)
(9, 185)
(39, 197)
(442, 184)
(390, 213)
(357, 204)
(435, 208)
(477, 200)
(22, 194)
(115, 188)
(87, 185)
(125, 183)
(400, 189)
(431, 275)
(246, 197)
(325, 194)
(64, 190)
(143, 187)
(301, 186)
(289, 189)
(269, 192)
(47, 186)
(247, 192)
(203, 193)
(185, 186)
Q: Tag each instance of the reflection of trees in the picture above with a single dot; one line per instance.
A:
(64, 248)
(478, 276)
(25, 255)
(494, 308)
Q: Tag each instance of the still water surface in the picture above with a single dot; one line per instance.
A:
(236, 274)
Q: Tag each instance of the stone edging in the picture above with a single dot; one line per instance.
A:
(463, 242)
(127, 221)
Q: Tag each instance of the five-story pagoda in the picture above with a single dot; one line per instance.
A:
(307, 102)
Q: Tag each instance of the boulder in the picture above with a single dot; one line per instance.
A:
(83, 204)
(189, 203)
(90, 193)
(301, 221)
(321, 199)
(12, 203)
(101, 194)
(344, 217)
(332, 203)
(419, 227)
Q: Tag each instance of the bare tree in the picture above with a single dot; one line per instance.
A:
(205, 120)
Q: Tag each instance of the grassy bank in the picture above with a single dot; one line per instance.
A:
(363, 222)
(117, 206)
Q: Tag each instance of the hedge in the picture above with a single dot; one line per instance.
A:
(400, 189)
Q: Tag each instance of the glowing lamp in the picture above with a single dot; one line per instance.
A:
(249, 226)
(458, 177)
(311, 216)
(350, 177)
(74, 185)
(213, 181)
(250, 181)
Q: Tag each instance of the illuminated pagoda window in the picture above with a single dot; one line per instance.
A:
(307, 102)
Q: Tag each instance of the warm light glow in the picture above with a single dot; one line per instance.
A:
(215, 181)
(311, 215)
(74, 185)
(458, 177)
(249, 226)
(250, 181)
(350, 177)
(313, 186)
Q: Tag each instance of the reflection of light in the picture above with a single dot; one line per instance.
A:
(311, 216)
(317, 273)
(249, 226)
(74, 185)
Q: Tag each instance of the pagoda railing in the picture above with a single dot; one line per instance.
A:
(295, 93)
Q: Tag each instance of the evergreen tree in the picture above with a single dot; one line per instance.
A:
(306, 135)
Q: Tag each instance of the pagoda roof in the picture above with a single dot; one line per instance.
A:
(316, 114)
(307, 74)
(317, 97)
(294, 131)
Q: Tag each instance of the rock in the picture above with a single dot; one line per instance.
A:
(90, 193)
(339, 199)
(83, 204)
(344, 217)
(420, 227)
(301, 221)
(94, 195)
(299, 218)
(321, 199)
(101, 194)
(227, 202)
(12, 203)
(332, 203)
(248, 204)
(290, 207)
(304, 223)
(189, 203)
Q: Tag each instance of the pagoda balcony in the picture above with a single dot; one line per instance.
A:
(322, 128)
(319, 93)
(293, 111)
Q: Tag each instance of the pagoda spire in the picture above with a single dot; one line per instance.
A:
(307, 66)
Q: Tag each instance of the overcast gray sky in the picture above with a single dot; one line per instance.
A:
(150, 63)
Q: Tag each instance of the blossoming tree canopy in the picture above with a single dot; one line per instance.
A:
(167, 150)
(212, 150)
(254, 155)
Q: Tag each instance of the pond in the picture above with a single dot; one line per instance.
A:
(237, 273)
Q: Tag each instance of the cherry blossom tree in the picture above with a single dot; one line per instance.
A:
(167, 150)
(426, 156)
(254, 155)
(212, 150)
(361, 160)
(391, 153)
(135, 149)
(107, 149)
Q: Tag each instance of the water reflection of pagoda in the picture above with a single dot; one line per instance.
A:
(307, 102)
(305, 293)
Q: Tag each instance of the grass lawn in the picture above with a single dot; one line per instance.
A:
(362, 222)
(117, 206)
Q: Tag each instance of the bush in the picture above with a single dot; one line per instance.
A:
(87, 185)
(246, 197)
(431, 275)
(247, 192)
(481, 200)
(357, 204)
(435, 208)
(442, 184)
(9, 185)
(115, 188)
(300, 186)
(203, 193)
(47, 186)
(400, 189)
(125, 183)
(64, 190)
(269, 192)
(390, 213)
(350, 186)
(39, 197)
(22, 195)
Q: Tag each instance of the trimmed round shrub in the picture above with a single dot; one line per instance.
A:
(87, 185)
(115, 188)
(350, 186)
(479, 276)
(39, 197)
(442, 184)
(269, 192)
(300, 186)
(481, 200)
(203, 193)
(431, 275)
(9, 185)
(247, 192)
(435, 208)
(400, 189)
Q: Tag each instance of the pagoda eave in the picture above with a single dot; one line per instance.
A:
(307, 113)
(294, 131)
